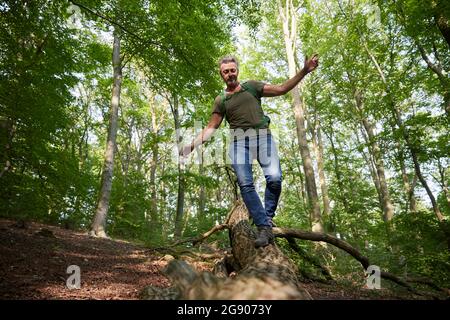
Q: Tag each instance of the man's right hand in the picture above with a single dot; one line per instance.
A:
(186, 150)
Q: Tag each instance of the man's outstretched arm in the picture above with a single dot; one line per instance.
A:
(213, 124)
(271, 90)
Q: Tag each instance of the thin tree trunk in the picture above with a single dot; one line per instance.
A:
(126, 161)
(409, 188)
(202, 195)
(289, 21)
(153, 165)
(164, 215)
(98, 227)
(181, 180)
(443, 182)
(342, 194)
(371, 165)
(388, 208)
(153, 191)
(436, 209)
(83, 141)
(7, 131)
(301, 181)
(180, 204)
(318, 150)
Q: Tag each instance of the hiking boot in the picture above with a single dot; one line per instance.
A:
(264, 237)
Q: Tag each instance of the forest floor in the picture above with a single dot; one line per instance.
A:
(34, 259)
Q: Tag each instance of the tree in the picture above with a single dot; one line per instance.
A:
(99, 224)
(288, 15)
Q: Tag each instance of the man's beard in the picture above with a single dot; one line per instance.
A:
(232, 80)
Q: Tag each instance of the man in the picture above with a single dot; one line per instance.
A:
(240, 103)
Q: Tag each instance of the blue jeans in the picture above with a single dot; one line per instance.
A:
(262, 147)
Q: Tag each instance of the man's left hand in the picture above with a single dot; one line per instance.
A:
(186, 150)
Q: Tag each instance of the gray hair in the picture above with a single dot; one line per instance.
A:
(229, 59)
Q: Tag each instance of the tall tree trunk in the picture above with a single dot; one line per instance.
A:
(301, 181)
(154, 219)
(409, 187)
(388, 208)
(443, 181)
(342, 194)
(164, 215)
(98, 227)
(371, 165)
(180, 203)
(289, 21)
(83, 143)
(419, 174)
(202, 195)
(6, 131)
(181, 180)
(127, 156)
(318, 150)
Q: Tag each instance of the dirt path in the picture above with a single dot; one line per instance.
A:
(33, 264)
(34, 260)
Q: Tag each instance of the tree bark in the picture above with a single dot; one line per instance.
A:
(289, 21)
(98, 227)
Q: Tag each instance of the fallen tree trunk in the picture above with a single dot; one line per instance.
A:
(263, 273)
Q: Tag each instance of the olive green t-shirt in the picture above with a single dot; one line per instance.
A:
(242, 109)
